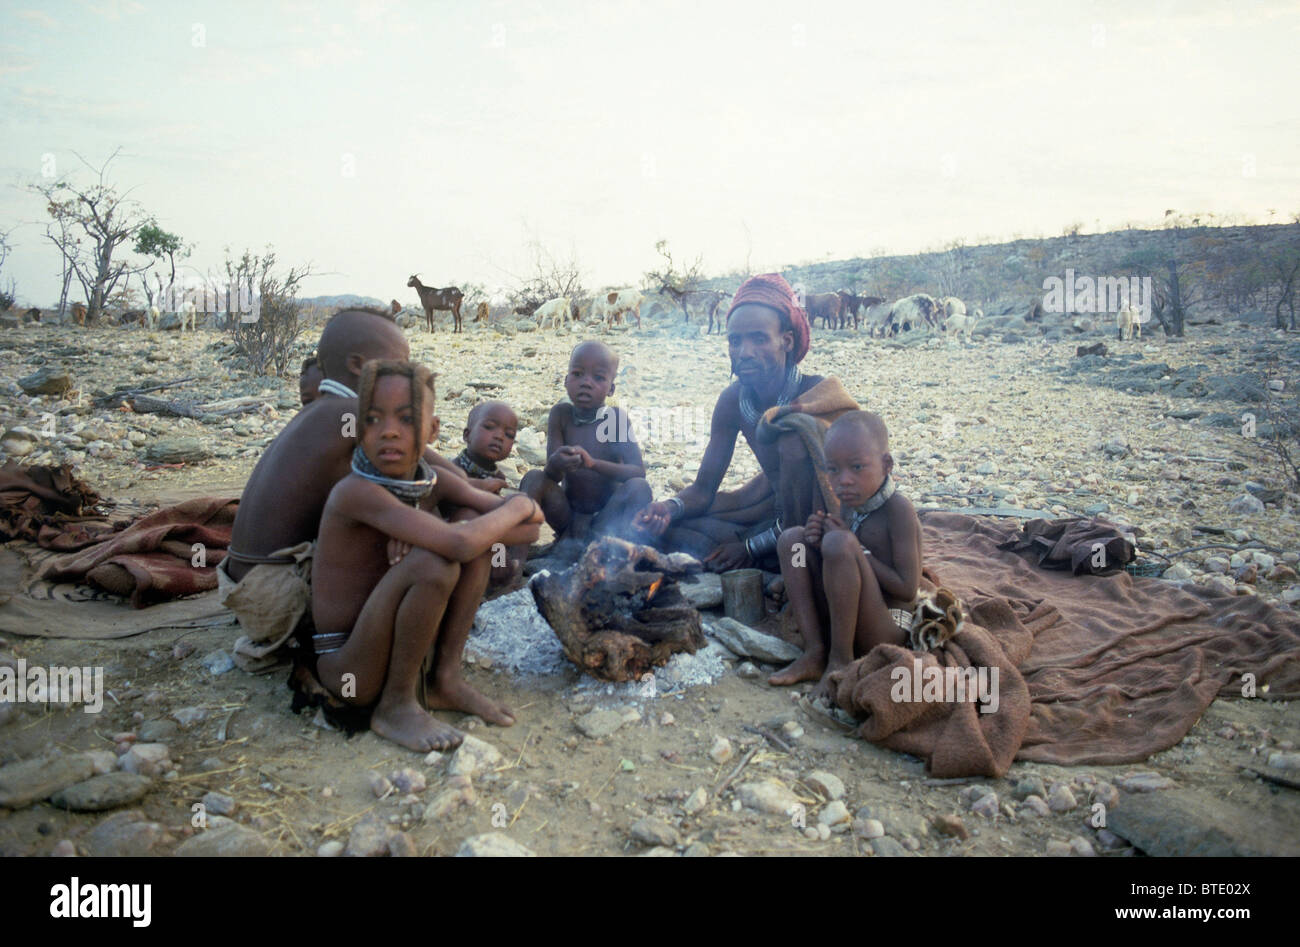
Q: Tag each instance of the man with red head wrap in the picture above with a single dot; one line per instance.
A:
(767, 338)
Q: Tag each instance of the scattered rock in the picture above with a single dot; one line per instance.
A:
(1245, 504)
(1061, 799)
(1030, 786)
(472, 757)
(868, 828)
(1035, 805)
(721, 751)
(834, 813)
(102, 792)
(951, 825)
(1059, 849)
(225, 839)
(369, 838)
(696, 850)
(158, 731)
(599, 723)
(1285, 761)
(49, 380)
(886, 847)
(492, 845)
(64, 849)
(767, 796)
(147, 759)
(825, 784)
(745, 642)
(1106, 794)
(1145, 782)
(696, 801)
(401, 845)
(30, 781)
(331, 849)
(986, 806)
(218, 803)
(651, 831)
(409, 781)
(703, 590)
(189, 716)
(218, 662)
(126, 833)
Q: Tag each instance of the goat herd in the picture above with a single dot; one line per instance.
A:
(835, 310)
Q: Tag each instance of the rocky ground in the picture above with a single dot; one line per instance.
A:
(1157, 435)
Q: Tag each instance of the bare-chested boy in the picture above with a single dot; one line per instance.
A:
(489, 436)
(594, 479)
(376, 622)
(846, 573)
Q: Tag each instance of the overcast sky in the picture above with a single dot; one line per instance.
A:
(376, 139)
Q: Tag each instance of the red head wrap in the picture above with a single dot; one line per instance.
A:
(771, 290)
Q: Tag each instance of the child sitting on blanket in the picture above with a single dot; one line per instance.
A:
(376, 623)
(847, 571)
(594, 479)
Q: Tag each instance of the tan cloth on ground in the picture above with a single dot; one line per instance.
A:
(269, 601)
(809, 416)
(1092, 669)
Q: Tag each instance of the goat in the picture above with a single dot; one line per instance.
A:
(911, 312)
(557, 310)
(613, 304)
(1129, 322)
(829, 307)
(481, 312)
(189, 312)
(447, 299)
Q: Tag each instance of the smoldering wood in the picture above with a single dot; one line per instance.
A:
(618, 612)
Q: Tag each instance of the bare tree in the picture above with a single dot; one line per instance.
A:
(683, 279)
(551, 277)
(102, 217)
(266, 335)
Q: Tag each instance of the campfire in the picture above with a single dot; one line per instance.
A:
(618, 611)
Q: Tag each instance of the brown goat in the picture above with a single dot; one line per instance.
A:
(447, 299)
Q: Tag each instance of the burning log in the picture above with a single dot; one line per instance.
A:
(618, 612)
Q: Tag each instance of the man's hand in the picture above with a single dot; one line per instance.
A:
(397, 551)
(654, 518)
(728, 556)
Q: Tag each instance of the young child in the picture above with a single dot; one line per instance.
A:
(377, 622)
(847, 572)
(594, 479)
(309, 380)
(489, 436)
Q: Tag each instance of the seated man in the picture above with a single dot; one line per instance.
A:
(375, 623)
(767, 337)
(852, 571)
(265, 576)
(594, 479)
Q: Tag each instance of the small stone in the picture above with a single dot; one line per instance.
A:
(158, 731)
(146, 759)
(951, 825)
(408, 781)
(667, 720)
(1285, 761)
(369, 838)
(103, 761)
(1109, 841)
(379, 784)
(834, 813)
(791, 730)
(651, 831)
(225, 839)
(1245, 504)
(492, 845)
(1030, 786)
(400, 845)
(50, 380)
(767, 796)
(472, 757)
(1281, 573)
(1145, 782)
(811, 834)
(986, 806)
(868, 828)
(1061, 799)
(599, 723)
(886, 847)
(102, 792)
(433, 758)
(721, 751)
(126, 833)
(218, 803)
(1178, 572)
(182, 649)
(446, 802)
(748, 671)
(696, 850)
(823, 831)
(189, 716)
(696, 801)
(1058, 849)
(1035, 805)
(30, 781)
(825, 784)
(1218, 564)
(330, 849)
(64, 849)
(1106, 794)
(1081, 847)
(218, 662)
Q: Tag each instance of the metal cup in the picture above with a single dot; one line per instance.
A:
(742, 596)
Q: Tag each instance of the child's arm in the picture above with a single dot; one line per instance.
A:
(560, 457)
(629, 464)
(902, 581)
(462, 492)
(461, 542)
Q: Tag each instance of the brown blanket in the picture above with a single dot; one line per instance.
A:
(39, 503)
(1091, 669)
(153, 558)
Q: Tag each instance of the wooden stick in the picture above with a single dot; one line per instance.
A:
(771, 738)
(736, 772)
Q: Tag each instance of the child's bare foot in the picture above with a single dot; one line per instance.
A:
(409, 726)
(809, 667)
(455, 694)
